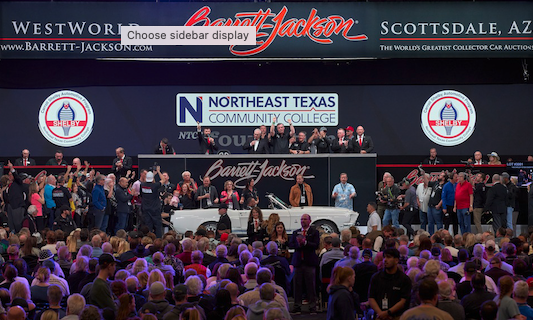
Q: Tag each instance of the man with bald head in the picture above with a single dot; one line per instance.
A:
(305, 242)
(25, 160)
(362, 143)
(257, 145)
(16, 313)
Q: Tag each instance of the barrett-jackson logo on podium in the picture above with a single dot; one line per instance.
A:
(448, 118)
(257, 170)
(66, 118)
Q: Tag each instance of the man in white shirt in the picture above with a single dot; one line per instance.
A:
(374, 222)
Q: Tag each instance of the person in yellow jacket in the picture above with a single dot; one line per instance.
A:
(301, 194)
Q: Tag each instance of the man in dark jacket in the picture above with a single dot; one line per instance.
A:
(512, 195)
(497, 203)
(122, 163)
(256, 145)
(123, 196)
(15, 199)
(157, 297)
(305, 242)
(151, 203)
(99, 202)
(64, 221)
(207, 143)
(207, 194)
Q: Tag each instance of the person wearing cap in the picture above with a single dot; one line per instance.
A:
(101, 295)
(151, 203)
(363, 273)
(512, 196)
(497, 203)
(301, 194)
(279, 138)
(181, 304)
(349, 132)
(494, 159)
(342, 144)
(300, 146)
(362, 143)
(157, 294)
(64, 221)
(464, 202)
(257, 145)
(409, 207)
(428, 292)
(390, 289)
(433, 159)
(318, 141)
(224, 223)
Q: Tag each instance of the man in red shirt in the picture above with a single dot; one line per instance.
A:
(464, 202)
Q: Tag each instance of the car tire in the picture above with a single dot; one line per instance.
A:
(326, 225)
(210, 226)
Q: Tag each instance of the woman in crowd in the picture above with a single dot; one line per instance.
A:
(187, 197)
(423, 193)
(20, 290)
(446, 257)
(507, 307)
(37, 200)
(229, 196)
(30, 248)
(249, 196)
(279, 235)
(111, 206)
(494, 159)
(10, 273)
(255, 230)
(126, 307)
(39, 292)
(342, 300)
(271, 223)
(82, 265)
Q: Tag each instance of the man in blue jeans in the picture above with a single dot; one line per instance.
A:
(435, 204)
(99, 201)
(389, 196)
(123, 196)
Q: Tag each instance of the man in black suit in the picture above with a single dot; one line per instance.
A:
(478, 159)
(14, 198)
(342, 144)
(164, 147)
(362, 143)
(122, 163)
(256, 145)
(305, 242)
(497, 203)
(25, 160)
(207, 144)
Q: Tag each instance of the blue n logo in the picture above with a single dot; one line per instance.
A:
(185, 105)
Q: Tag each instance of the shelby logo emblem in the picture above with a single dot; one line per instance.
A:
(66, 118)
(448, 118)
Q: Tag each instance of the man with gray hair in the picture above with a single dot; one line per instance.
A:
(250, 271)
(251, 297)
(520, 295)
(448, 302)
(75, 304)
(497, 203)
(256, 145)
(195, 287)
(267, 293)
(280, 265)
(335, 253)
(351, 259)
(221, 254)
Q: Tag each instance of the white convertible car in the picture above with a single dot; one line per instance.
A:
(330, 219)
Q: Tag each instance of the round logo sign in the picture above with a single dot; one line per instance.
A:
(66, 118)
(448, 118)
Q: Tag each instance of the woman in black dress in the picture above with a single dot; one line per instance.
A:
(256, 226)
(187, 197)
(249, 196)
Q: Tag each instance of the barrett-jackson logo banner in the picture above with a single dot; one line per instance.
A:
(284, 30)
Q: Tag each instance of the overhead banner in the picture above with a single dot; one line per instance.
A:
(56, 30)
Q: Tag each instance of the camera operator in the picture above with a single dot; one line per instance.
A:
(409, 207)
(318, 142)
(389, 195)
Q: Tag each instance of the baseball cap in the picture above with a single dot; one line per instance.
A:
(530, 282)
(367, 253)
(157, 288)
(224, 237)
(149, 176)
(435, 251)
(470, 267)
(149, 307)
(490, 245)
(134, 234)
(323, 129)
(223, 206)
(349, 128)
(106, 258)
(180, 291)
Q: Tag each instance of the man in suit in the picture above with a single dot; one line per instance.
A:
(207, 144)
(478, 158)
(497, 203)
(14, 198)
(164, 147)
(122, 163)
(25, 160)
(342, 144)
(362, 143)
(305, 242)
(256, 144)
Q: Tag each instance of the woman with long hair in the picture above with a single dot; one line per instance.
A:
(249, 196)
(126, 307)
(30, 247)
(37, 200)
(19, 289)
(187, 197)
(233, 274)
(342, 300)
(230, 196)
(279, 235)
(425, 244)
(235, 312)
(507, 306)
(255, 230)
(39, 292)
(271, 223)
